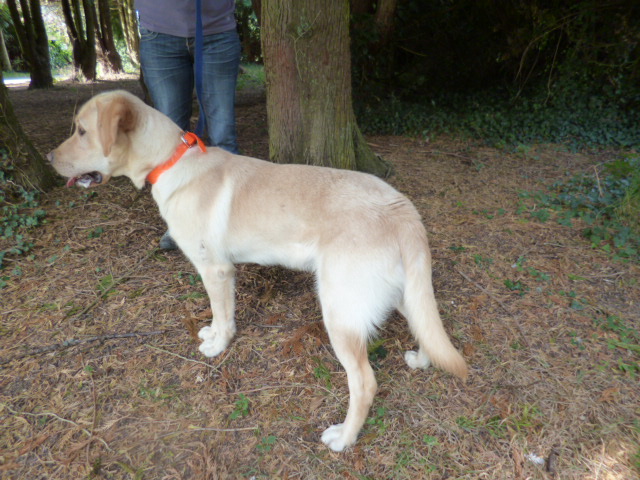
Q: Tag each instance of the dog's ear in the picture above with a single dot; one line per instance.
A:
(114, 116)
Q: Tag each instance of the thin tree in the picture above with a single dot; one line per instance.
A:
(306, 48)
(129, 24)
(383, 14)
(109, 56)
(79, 15)
(5, 61)
(33, 40)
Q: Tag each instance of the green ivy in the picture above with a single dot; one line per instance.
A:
(579, 115)
(607, 202)
(19, 212)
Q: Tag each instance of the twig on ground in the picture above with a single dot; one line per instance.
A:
(286, 385)
(58, 417)
(211, 429)
(78, 341)
(213, 367)
(451, 154)
(123, 278)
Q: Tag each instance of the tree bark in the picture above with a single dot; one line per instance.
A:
(29, 169)
(34, 43)
(81, 30)
(385, 13)
(130, 29)
(109, 56)
(361, 7)
(5, 61)
(307, 69)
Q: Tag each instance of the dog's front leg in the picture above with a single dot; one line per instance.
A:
(219, 282)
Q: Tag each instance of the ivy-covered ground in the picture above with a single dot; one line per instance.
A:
(536, 270)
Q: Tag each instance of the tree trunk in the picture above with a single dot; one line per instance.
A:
(5, 61)
(29, 169)
(307, 67)
(83, 40)
(361, 7)
(385, 13)
(130, 29)
(34, 43)
(109, 56)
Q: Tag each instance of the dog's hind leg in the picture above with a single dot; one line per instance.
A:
(354, 301)
(219, 282)
(351, 350)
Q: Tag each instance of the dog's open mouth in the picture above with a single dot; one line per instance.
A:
(87, 180)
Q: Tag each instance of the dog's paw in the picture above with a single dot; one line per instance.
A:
(416, 359)
(213, 344)
(206, 333)
(334, 438)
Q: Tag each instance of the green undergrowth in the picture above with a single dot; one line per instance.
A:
(19, 212)
(251, 77)
(573, 115)
(624, 336)
(606, 199)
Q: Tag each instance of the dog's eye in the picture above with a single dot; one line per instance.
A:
(81, 131)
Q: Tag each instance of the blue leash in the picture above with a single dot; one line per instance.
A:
(199, 59)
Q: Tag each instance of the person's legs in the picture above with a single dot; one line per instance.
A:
(167, 66)
(220, 73)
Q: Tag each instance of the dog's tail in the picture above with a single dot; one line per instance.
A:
(421, 309)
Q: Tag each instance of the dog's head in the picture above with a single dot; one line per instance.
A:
(98, 147)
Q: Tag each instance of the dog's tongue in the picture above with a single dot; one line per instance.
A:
(85, 180)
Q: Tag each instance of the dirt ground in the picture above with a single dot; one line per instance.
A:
(101, 378)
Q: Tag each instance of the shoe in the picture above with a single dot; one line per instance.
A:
(167, 242)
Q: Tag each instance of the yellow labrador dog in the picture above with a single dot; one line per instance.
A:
(364, 241)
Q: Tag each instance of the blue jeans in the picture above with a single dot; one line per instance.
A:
(169, 73)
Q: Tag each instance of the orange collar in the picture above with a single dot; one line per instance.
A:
(188, 140)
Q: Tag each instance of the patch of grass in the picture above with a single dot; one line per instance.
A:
(16, 74)
(525, 419)
(134, 473)
(321, 372)
(516, 286)
(377, 422)
(467, 424)
(192, 279)
(490, 215)
(482, 262)
(267, 443)
(376, 352)
(106, 285)
(96, 232)
(410, 458)
(193, 296)
(252, 76)
(154, 394)
(535, 273)
(241, 408)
